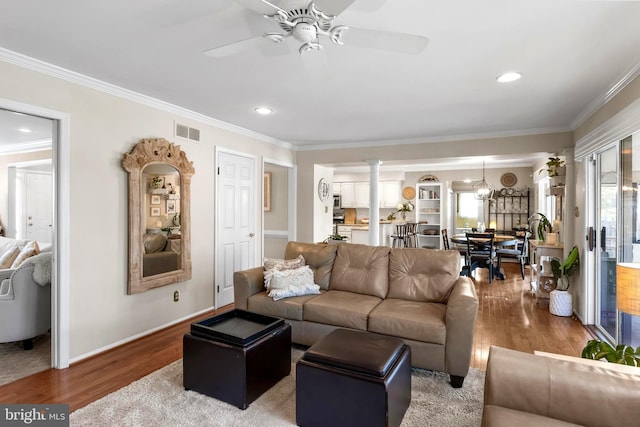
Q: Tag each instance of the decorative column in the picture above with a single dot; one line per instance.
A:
(374, 211)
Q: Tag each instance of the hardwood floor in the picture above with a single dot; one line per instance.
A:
(508, 316)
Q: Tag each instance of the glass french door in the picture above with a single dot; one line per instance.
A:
(606, 251)
(618, 234)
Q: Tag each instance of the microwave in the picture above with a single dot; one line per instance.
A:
(337, 201)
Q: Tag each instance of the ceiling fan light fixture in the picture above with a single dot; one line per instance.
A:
(508, 77)
(263, 111)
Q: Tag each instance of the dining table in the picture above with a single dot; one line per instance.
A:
(498, 240)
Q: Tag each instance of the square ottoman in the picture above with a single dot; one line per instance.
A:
(353, 378)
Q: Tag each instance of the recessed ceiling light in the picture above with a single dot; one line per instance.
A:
(263, 110)
(511, 76)
(25, 130)
(467, 181)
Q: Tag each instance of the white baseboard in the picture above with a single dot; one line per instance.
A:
(135, 337)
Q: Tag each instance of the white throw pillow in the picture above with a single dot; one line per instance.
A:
(29, 250)
(7, 259)
(291, 283)
(273, 264)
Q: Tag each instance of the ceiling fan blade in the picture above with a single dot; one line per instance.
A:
(260, 6)
(367, 5)
(385, 40)
(333, 7)
(236, 47)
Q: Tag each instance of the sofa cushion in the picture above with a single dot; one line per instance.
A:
(319, 257)
(414, 320)
(497, 416)
(422, 274)
(361, 269)
(288, 308)
(339, 308)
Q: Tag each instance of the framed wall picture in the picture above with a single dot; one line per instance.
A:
(171, 206)
(155, 199)
(155, 211)
(267, 191)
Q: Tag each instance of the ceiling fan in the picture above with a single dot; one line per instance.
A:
(307, 24)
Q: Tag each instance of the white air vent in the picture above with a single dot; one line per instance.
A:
(186, 132)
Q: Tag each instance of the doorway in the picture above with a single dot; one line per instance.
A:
(27, 213)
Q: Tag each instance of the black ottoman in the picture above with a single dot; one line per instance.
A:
(352, 378)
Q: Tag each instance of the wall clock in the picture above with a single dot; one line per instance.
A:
(323, 190)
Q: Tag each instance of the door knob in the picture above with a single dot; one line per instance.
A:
(251, 234)
(30, 217)
(30, 224)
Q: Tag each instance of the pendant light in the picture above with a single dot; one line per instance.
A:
(482, 189)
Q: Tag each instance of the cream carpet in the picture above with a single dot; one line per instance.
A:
(18, 363)
(159, 399)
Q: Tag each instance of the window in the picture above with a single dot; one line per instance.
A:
(467, 206)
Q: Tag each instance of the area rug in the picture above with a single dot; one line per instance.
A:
(19, 363)
(159, 399)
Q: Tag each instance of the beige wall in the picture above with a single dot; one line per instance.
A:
(102, 128)
(552, 143)
(277, 220)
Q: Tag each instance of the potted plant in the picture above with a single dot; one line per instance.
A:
(560, 302)
(543, 227)
(403, 208)
(622, 354)
(556, 170)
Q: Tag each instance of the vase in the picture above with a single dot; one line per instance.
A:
(560, 303)
(404, 215)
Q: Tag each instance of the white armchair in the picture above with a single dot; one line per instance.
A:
(25, 302)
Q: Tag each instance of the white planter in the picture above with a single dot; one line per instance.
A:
(557, 181)
(551, 238)
(561, 303)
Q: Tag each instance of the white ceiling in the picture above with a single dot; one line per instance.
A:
(571, 54)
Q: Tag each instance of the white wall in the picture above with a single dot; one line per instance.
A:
(102, 128)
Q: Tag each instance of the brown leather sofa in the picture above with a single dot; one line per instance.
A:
(524, 389)
(414, 294)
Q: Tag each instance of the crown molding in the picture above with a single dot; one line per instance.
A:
(621, 82)
(111, 89)
(430, 140)
(24, 147)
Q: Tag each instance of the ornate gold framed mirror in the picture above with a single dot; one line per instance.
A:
(159, 214)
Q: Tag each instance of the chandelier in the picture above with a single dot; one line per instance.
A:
(482, 189)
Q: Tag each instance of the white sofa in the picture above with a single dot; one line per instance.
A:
(25, 295)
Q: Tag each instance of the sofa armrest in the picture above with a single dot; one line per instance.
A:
(566, 390)
(462, 311)
(247, 283)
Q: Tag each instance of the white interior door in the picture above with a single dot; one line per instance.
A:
(38, 212)
(236, 213)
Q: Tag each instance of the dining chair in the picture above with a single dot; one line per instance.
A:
(445, 239)
(412, 235)
(465, 271)
(517, 249)
(399, 240)
(481, 252)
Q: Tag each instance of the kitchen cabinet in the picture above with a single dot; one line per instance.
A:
(429, 214)
(356, 194)
(389, 194)
(360, 235)
(362, 194)
(348, 194)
